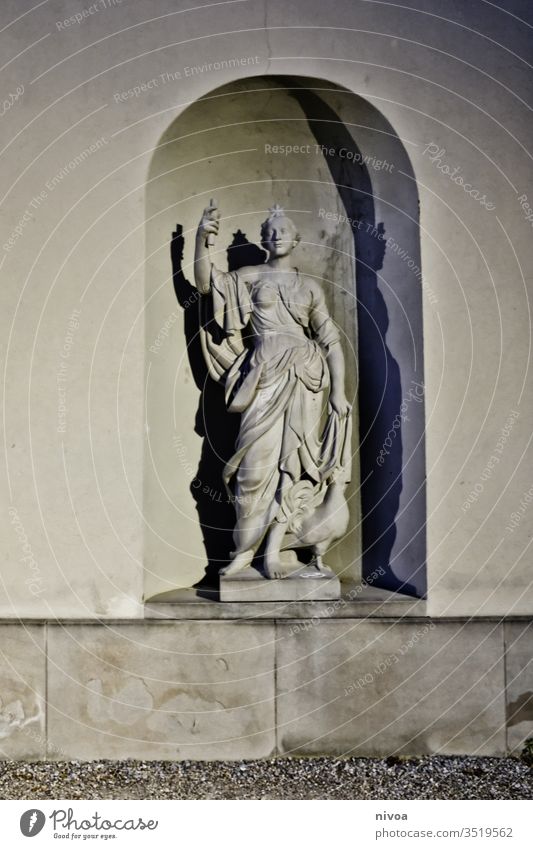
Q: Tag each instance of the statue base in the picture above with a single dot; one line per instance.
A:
(306, 584)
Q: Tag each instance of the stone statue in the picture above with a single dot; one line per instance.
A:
(268, 337)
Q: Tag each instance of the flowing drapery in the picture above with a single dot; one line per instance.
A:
(268, 345)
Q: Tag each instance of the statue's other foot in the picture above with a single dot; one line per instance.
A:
(240, 562)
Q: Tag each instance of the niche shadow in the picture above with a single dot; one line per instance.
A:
(217, 428)
(380, 392)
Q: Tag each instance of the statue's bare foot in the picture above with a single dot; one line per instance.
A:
(240, 562)
(272, 567)
(275, 567)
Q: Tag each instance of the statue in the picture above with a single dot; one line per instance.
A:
(268, 337)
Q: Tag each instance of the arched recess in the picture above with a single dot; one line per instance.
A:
(333, 161)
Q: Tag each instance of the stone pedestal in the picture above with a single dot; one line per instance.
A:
(307, 584)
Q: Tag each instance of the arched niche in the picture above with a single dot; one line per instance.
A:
(335, 164)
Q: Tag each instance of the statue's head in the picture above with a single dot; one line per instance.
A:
(279, 235)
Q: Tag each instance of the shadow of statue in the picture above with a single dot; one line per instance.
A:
(241, 252)
(380, 393)
(217, 428)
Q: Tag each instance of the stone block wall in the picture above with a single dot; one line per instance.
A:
(241, 689)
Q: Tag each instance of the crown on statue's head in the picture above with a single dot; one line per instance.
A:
(274, 212)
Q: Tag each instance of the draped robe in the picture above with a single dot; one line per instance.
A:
(289, 448)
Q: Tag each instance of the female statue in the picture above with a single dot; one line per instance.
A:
(273, 344)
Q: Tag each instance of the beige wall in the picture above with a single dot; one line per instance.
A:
(76, 497)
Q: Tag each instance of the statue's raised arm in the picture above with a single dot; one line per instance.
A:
(205, 238)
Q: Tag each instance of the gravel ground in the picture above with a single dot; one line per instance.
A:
(276, 778)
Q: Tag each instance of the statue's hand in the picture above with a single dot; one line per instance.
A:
(209, 223)
(339, 404)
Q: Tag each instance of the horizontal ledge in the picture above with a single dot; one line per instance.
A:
(370, 603)
(170, 617)
(357, 602)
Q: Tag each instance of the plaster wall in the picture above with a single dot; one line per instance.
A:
(77, 494)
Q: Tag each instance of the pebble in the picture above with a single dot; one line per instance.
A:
(432, 777)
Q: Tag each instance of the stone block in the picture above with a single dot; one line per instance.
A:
(22, 692)
(519, 681)
(168, 691)
(369, 688)
(306, 585)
